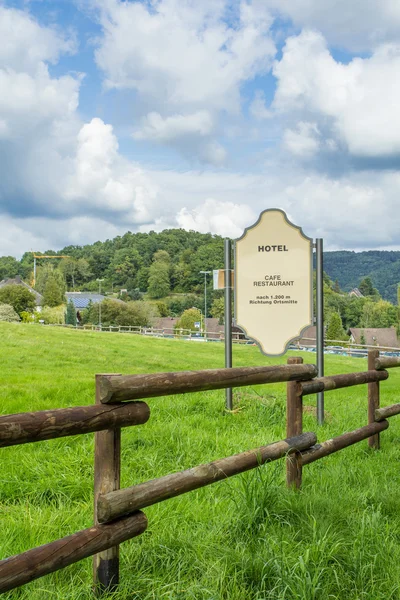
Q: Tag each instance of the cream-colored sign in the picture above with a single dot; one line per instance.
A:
(273, 282)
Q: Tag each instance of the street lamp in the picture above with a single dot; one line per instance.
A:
(205, 302)
(100, 280)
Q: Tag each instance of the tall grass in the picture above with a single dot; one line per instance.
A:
(247, 538)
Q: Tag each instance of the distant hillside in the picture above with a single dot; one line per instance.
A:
(349, 268)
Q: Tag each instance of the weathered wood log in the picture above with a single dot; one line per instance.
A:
(373, 397)
(107, 470)
(334, 382)
(386, 362)
(387, 411)
(294, 426)
(131, 387)
(342, 441)
(22, 568)
(112, 505)
(28, 427)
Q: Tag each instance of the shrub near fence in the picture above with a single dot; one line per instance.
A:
(117, 512)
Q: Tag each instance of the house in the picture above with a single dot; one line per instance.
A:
(81, 301)
(308, 338)
(356, 292)
(215, 331)
(384, 337)
(18, 281)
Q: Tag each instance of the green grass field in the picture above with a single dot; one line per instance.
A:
(247, 538)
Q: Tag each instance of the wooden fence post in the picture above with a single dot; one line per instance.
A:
(373, 399)
(107, 467)
(294, 426)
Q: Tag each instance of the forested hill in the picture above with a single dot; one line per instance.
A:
(349, 268)
(127, 262)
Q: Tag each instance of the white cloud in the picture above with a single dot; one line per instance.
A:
(40, 233)
(191, 134)
(303, 141)
(31, 101)
(155, 127)
(358, 25)
(186, 62)
(25, 43)
(101, 178)
(183, 54)
(359, 100)
(50, 162)
(258, 108)
(355, 212)
(223, 218)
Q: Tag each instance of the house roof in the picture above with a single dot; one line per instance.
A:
(356, 292)
(214, 328)
(309, 336)
(382, 336)
(82, 299)
(18, 281)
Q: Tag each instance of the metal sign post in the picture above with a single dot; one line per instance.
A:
(320, 324)
(228, 317)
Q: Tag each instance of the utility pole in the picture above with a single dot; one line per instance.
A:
(100, 280)
(205, 302)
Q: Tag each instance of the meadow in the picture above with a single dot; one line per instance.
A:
(247, 538)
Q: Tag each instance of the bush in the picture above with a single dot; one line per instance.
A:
(7, 313)
(132, 314)
(162, 308)
(27, 317)
(19, 297)
(188, 319)
(52, 315)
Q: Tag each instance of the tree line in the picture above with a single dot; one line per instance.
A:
(164, 270)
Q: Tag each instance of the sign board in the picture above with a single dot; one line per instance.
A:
(273, 282)
(219, 279)
(197, 325)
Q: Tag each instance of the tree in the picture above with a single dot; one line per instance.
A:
(218, 309)
(52, 315)
(70, 317)
(53, 294)
(379, 314)
(159, 282)
(335, 331)
(7, 313)
(9, 267)
(20, 298)
(367, 289)
(76, 271)
(188, 319)
(114, 312)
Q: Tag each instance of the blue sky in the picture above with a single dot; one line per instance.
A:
(132, 115)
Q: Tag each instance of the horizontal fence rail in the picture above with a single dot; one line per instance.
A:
(387, 362)
(18, 570)
(28, 427)
(335, 382)
(122, 502)
(131, 387)
(342, 441)
(387, 411)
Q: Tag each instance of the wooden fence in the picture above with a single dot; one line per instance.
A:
(117, 513)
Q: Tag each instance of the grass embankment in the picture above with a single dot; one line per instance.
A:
(247, 538)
